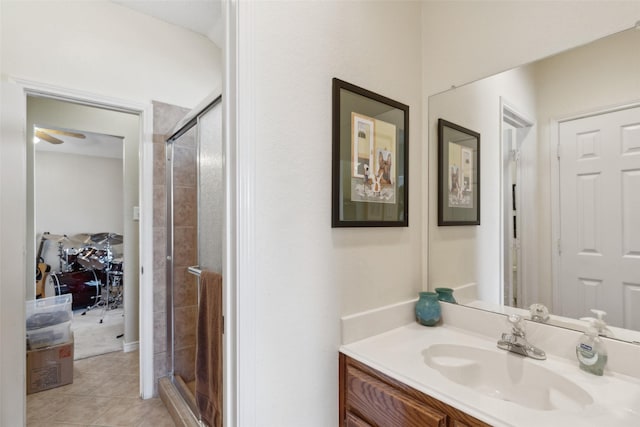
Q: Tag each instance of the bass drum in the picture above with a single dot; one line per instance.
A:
(83, 285)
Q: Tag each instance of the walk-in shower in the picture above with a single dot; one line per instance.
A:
(194, 167)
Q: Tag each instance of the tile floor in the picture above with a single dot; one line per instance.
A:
(104, 393)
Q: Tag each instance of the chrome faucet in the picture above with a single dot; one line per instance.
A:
(516, 342)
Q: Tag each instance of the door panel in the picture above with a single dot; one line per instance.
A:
(211, 191)
(631, 213)
(599, 211)
(588, 197)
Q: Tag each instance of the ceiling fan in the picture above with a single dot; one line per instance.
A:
(46, 135)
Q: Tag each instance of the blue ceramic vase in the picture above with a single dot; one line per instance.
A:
(428, 309)
(446, 295)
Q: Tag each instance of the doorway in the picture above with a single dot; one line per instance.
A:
(516, 196)
(78, 188)
(19, 227)
(88, 208)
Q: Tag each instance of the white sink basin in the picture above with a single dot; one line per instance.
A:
(506, 376)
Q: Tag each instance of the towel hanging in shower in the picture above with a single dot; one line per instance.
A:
(209, 349)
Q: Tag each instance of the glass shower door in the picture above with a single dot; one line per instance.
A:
(195, 231)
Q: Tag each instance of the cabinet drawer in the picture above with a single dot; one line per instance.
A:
(382, 405)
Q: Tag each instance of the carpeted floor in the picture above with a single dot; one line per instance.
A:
(92, 337)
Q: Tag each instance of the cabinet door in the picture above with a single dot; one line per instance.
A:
(383, 405)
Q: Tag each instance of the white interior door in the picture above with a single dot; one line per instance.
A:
(599, 264)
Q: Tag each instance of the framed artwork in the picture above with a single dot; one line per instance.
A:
(369, 159)
(458, 175)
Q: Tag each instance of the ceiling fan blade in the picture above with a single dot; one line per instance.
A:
(46, 137)
(64, 132)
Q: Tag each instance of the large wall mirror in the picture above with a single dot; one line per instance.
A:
(560, 188)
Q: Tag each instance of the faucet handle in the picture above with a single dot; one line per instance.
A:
(539, 313)
(517, 324)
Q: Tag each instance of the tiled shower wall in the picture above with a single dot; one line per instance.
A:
(165, 117)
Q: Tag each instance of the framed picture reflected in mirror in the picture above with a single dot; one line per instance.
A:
(458, 175)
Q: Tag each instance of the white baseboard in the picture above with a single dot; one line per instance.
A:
(130, 346)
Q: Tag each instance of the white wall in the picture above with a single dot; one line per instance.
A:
(101, 47)
(467, 40)
(308, 274)
(470, 254)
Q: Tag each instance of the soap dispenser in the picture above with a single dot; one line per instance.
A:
(590, 350)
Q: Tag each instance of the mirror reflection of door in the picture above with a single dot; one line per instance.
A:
(515, 133)
(599, 261)
(511, 245)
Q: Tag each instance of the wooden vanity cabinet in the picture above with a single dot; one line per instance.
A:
(369, 398)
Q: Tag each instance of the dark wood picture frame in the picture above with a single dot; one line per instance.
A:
(370, 159)
(458, 175)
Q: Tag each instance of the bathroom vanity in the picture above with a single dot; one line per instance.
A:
(369, 397)
(449, 375)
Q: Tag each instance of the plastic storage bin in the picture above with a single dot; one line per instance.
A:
(46, 312)
(49, 336)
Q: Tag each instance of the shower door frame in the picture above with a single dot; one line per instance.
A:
(191, 120)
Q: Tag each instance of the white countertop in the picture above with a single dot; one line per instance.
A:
(399, 354)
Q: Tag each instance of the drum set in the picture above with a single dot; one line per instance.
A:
(91, 272)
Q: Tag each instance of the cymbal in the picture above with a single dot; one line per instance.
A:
(104, 238)
(54, 237)
(83, 238)
(98, 237)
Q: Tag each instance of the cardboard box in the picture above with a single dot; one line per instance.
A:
(50, 367)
